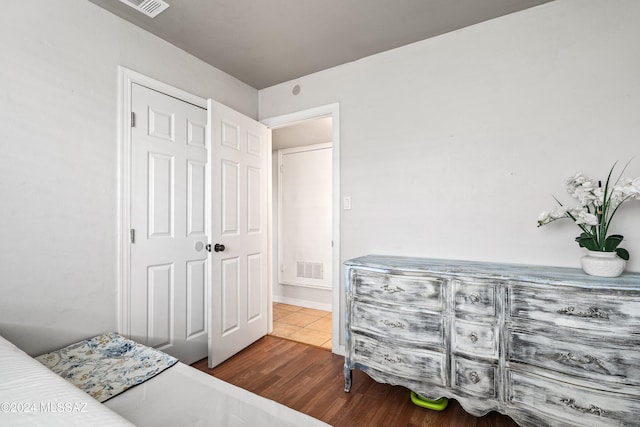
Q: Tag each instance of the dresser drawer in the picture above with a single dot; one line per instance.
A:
(400, 325)
(479, 379)
(396, 360)
(571, 405)
(474, 297)
(576, 307)
(587, 356)
(478, 339)
(414, 291)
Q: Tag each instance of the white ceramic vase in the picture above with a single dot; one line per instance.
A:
(603, 264)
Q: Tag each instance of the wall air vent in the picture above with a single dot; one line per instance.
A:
(310, 270)
(150, 8)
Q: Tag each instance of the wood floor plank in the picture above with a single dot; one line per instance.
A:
(310, 379)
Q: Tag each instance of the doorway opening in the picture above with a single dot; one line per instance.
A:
(305, 227)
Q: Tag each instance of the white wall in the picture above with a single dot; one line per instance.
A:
(58, 179)
(305, 225)
(451, 147)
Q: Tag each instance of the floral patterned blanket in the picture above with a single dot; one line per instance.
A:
(106, 365)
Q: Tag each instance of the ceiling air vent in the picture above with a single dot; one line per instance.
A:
(149, 7)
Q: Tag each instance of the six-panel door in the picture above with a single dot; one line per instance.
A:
(168, 283)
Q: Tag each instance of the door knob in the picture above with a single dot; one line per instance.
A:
(218, 247)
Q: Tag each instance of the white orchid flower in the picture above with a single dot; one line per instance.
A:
(586, 194)
(544, 218)
(548, 216)
(575, 181)
(586, 218)
(627, 188)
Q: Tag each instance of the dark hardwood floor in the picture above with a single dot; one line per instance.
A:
(310, 380)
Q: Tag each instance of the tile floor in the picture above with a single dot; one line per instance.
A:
(301, 324)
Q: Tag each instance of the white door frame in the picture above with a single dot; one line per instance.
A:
(126, 78)
(333, 111)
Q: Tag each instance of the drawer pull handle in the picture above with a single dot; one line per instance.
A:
(391, 359)
(474, 298)
(584, 360)
(474, 377)
(592, 409)
(473, 337)
(592, 312)
(390, 290)
(396, 324)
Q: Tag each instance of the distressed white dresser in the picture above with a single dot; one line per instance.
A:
(546, 346)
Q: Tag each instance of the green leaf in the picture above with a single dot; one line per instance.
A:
(612, 242)
(623, 253)
(586, 241)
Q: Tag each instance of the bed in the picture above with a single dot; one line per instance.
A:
(157, 391)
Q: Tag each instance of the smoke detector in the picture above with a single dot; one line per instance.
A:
(150, 8)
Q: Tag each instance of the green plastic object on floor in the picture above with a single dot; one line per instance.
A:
(434, 405)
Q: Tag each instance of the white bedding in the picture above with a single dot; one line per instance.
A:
(32, 395)
(184, 396)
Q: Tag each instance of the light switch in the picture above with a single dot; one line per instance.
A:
(346, 203)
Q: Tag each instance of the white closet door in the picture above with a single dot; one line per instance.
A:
(169, 217)
(240, 150)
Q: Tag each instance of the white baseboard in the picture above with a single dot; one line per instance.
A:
(302, 303)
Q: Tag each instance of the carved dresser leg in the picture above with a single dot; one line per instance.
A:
(347, 376)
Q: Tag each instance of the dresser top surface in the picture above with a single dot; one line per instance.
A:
(497, 271)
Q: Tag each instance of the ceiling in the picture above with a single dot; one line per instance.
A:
(308, 132)
(266, 42)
